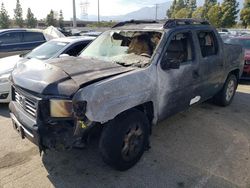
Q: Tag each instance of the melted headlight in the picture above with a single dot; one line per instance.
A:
(61, 108)
(80, 108)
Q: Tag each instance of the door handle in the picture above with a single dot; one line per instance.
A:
(196, 74)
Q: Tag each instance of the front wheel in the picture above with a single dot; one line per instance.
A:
(226, 95)
(124, 140)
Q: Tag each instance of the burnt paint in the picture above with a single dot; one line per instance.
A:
(170, 91)
(63, 77)
(118, 88)
(110, 89)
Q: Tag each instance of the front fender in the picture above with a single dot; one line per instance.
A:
(108, 98)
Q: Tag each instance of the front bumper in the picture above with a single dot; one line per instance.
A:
(5, 92)
(24, 124)
(57, 135)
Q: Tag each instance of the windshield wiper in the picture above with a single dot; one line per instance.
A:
(139, 65)
(123, 64)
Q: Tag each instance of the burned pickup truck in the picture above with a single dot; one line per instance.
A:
(123, 83)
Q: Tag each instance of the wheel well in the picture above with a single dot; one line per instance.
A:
(236, 72)
(148, 109)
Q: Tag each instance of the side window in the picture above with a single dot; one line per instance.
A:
(180, 48)
(74, 51)
(11, 38)
(32, 37)
(208, 43)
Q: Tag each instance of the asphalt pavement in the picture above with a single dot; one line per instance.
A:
(204, 147)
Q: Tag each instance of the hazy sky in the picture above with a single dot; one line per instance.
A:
(107, 7)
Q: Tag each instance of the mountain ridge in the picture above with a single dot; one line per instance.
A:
(147, 12)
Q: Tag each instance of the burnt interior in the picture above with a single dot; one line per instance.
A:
(139, 43)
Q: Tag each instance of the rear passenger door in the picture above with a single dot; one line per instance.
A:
(10, 44)
(211, 62)
(30, 40)
(177, 88)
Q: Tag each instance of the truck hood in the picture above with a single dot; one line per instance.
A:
(64, 76)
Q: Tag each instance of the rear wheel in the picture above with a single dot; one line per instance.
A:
(226, 95)
(124, 140)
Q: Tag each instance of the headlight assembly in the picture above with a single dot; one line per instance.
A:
(4, 78)
(61, 108)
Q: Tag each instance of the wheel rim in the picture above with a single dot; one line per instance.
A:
(132, 142)
(230, 90)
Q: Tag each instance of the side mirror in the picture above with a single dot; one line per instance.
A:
(168, 63)
(175, 64)
(63, 55)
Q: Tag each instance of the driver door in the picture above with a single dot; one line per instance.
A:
(178, 75)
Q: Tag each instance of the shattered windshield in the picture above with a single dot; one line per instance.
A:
(127, 48)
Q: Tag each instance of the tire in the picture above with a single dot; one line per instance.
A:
(124, 140)
(226, 95)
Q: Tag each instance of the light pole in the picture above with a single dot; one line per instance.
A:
(98, 12)
(74, 14)
(156, 11)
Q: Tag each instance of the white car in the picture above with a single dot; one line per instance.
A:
(4, 82)
(70, 46)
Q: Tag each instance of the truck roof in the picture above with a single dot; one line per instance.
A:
(161, 25)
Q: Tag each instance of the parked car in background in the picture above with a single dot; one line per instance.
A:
(91, 33)
(224, 35)
(244, 41)
(66, 32)
(17, 41)
(55, 48)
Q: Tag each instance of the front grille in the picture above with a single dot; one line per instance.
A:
(28, 104)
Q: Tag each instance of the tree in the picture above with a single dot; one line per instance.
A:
(170, 11)
(207, 5)
(18, 14)
(176, 6)
(192, 5)
(230, 12)
(50, 19)
(198, 13)
(61, 19)
(245, 14)
(214, 15)
(4, 18)
(179, 5)
(183, 13)
(31, 20)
